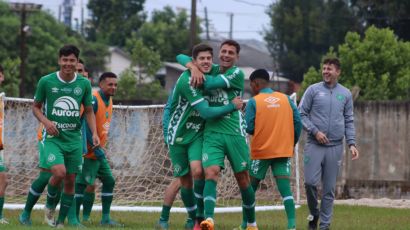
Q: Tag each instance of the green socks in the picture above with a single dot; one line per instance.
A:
(165, 213)
(188, 197)
(37, 187)
(248, 203)
(1, 206)
(286, 193)
(209, 198)
(106, 197)
(79, 198)
(199, 195)
(254, 183)
(66, 202)
(51, 196)
(88, 202)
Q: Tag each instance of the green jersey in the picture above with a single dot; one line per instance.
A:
(62, 102)
(185, 124)
(232, 123)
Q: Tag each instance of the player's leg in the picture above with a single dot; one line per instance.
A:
(73, 164)
(281, 169)
(88, 201)
(108, 183)
(3, 185)
(169, 196)
(212, 160)
(195, 159)
(238, 155)
(313, 156)
(179, 155)
(331, 168)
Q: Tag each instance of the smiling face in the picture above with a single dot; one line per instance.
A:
(204, 61)
(228, 56)
(330, 74)
(68, 64)
(109, 86)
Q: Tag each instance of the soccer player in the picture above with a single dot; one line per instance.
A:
(326, 110)
(225, 136)
(274, 121)
(3, 175)
(95, 162)
(62, 93)
(184, 134)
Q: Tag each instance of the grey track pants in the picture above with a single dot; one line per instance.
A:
(321, 164)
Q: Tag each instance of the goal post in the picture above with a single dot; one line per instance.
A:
(138, 157)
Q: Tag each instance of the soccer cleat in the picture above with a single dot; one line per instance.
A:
(189, 224)
(24, 220)
(162, 225)
(312, 222)
(239, 228)
(49, 216)
(252, 228)
(3, 221)
(197, 226)
(111, 224)
(207, 224)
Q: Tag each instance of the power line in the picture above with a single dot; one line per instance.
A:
(251, 3)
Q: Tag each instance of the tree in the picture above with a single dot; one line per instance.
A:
(127, 86)
(377, 64)
(393, 14)
(11, 82)
(167, 33)
(113, 21)
(301, 32)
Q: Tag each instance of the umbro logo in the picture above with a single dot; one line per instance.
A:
(54, 90)
(272, 101)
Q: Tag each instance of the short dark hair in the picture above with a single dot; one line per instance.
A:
(202, 47)
(332, 61)
(259, 74)
(81, 61)
(232, 43)
(107, 75)
(1, 69)
(66, 50)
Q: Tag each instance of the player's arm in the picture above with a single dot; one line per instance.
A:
(250, 112)
(89, 114)
(297, 122)
(207, 112)
(39, 98)
(304, 109)
(232, 78)
(166, 117)
(197, 77)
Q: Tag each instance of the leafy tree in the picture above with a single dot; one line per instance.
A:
(113, 21)
(11, 77)
(127, 85)
(301, 32)
(167, 33)
(377, 64)
(393, 14)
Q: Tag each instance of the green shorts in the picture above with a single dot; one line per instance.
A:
(55, 153)
(2, 166)
(279, 166)
(93, 169)
(182, 155)
(217, 145)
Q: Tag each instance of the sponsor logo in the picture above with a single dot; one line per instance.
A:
(51, 158)
(191, 125)
(66, 126)
(66, 107)
(106, 126)
(54, 90)
(77, 91)
(272, 102)
(66, 90)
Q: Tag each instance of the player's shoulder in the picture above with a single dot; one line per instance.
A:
(49, 77)
(183, 79)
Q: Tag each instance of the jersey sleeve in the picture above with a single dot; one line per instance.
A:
(250, 113)
(193, 95)
(183, 59)
(40, 94)
(87, 99)
(232, 78)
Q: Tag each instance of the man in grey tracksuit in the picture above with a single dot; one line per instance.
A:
(326, 110)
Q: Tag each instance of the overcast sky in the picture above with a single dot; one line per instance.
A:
(249, 17)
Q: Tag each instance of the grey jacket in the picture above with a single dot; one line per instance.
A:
(329, 110)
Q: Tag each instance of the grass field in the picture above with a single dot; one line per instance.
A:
(346, 217)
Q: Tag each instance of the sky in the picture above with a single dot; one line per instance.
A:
(249, 17)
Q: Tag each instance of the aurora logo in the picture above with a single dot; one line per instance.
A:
(66, 106)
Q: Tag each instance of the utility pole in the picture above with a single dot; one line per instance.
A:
(230, 25)
(206, 24)
(23, 9)
(193, 24)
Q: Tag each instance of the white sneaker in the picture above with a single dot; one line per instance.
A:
(60, 225)
(3, 221)
(49, 216)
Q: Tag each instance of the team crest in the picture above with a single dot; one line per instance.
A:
(51, 158)
(204, 157)
(77, 91)
(177, 169)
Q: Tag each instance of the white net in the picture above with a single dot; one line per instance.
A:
(137, 153)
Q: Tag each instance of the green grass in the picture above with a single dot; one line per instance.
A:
(345, 218)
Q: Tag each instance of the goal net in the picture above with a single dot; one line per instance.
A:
(137, 154)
